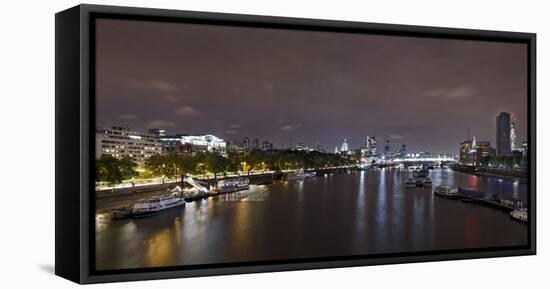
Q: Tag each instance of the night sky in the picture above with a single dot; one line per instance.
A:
(290, 86)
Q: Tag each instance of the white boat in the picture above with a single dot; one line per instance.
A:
(427, 182)
(298, 175)
(156, 205)
(232, 185)
(410, 183)
(520, 215)
(446, 191)
(311, 174)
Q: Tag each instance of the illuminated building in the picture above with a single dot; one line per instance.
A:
(266, 146)
(336, 150)
(245, 145)
(483, 150)
(204, 143)
(172, 142)
(120, 142)
(301, 147)
(319, 148)
(157, 132)
(503, 134)
(184, 143)
(472, 152)
(468, 152)
(387, 148)
(403, 151)
(345, 147)
(256, 144)
(232, 145)
(513, 145)
(371, 145)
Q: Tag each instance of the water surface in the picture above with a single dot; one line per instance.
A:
(352, 213)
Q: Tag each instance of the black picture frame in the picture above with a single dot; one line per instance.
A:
(75, 125)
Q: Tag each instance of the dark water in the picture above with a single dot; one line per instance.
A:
(339, 214)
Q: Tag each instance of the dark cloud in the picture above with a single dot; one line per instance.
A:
(290, 86)
(186, 110)
(154, 84)
(395, 137)
(463, 92)
(159, 123)
(127, 116)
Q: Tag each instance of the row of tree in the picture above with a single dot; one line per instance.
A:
(112, 170)
(504, 162)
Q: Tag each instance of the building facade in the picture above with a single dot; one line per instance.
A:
(504, 147)
(513, 144)
(371, 145)
(403, 151)
(387, 149)
(345, 147)
(483, 151)
(170, 142)
(245, 144)
(256, 144)
(474, 153)
(267, 146)
(189, 144)
(120, 142)
(204, 143)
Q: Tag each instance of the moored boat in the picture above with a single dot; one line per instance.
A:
(156, 205)
(311, 174)
(421, 173)
(520, 215)
(410, 183)
(232, 185)
(298, 175)
(446, 191)
(472, 193)
(427, 182)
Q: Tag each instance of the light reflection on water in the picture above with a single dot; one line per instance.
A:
(340, 214)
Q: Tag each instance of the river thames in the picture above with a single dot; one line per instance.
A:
(355, 213)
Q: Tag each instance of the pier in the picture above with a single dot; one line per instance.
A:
(504, 205)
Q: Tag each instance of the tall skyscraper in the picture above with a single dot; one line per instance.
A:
(387, 148)
(513, 144)
(371, 145)
(403, 150)
(246, 143)
(503, 134)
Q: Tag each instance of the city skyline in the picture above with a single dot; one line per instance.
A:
(426, 93)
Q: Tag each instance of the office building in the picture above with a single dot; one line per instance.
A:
(121, 142)
(371, 145)
(387, 148)
(504, 147)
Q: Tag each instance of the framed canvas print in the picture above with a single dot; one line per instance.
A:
(193, 144)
